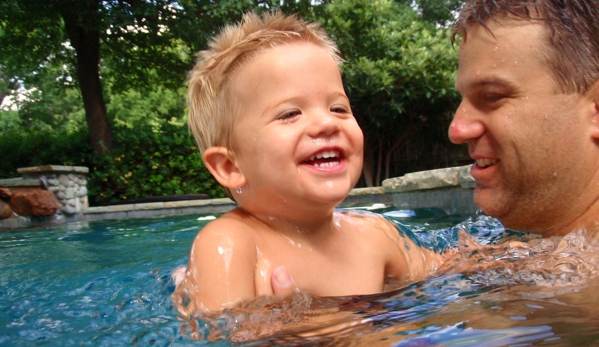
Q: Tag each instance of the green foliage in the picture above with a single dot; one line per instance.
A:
(154, 153)
(148, 163)
(399, 73)
(133, 108)
(144, 162)
(33, 147)
(399, 76)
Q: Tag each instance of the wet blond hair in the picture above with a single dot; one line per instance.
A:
(212, 108)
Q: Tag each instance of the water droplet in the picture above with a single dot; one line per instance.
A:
(494, 65)
(515, 62)
(495, 49)
(478, 72)
(546, 116)
(329, 184)
(503, 60)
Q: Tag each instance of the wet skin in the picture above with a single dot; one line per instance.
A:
(535, 147)
(297, 152)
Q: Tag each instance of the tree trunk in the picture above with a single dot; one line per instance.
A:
(379, 162)
(82, 29)
(401, 140)
(367, 167)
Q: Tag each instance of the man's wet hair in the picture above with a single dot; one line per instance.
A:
(571, 35)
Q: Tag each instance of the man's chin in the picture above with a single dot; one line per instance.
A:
(488, 202)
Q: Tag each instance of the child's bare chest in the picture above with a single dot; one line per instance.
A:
(344, 267)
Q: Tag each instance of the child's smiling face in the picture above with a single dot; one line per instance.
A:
(295, 137)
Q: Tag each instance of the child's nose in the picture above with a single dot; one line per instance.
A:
(323, 123)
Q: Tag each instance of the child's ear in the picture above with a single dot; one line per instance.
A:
(222, 165)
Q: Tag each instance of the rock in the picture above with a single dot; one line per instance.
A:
(64, 180)
(82, 191)
(5, 193)
(69, 210)
(33, 203)
(5, 210)
(53, 182)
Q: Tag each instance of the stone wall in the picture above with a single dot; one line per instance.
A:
(68, 183)
(450, 189)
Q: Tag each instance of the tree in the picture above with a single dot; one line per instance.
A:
(399, 73)
(134, 43)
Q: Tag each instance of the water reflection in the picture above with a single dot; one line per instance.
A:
(107, 284)
(502, 288)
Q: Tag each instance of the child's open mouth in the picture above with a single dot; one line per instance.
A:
(324, 159)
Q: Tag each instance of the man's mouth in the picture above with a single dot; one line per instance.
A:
(324, 159)
(483, 163)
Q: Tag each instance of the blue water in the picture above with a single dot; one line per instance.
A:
(107, 283)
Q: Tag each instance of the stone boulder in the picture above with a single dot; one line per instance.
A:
(5, 210)
(33, 202)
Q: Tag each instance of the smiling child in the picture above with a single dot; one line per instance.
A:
(275, 128)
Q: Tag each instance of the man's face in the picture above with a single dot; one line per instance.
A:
(533, 148)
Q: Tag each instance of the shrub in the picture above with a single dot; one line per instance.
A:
(144, 162)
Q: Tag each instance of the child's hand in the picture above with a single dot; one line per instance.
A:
(282, 283)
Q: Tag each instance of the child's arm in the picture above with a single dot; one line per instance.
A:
(408, 261)
(221, 268)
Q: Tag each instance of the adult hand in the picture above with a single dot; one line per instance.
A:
(282, 283)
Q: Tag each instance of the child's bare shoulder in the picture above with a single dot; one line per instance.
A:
(367, 220)
(226, 232)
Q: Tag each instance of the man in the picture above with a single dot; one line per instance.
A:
(529, 79)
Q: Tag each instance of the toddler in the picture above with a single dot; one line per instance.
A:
(275, 128)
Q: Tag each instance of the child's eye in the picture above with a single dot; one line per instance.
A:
(289, 115)
(339, 109)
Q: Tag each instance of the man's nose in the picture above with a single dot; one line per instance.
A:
(466, 125)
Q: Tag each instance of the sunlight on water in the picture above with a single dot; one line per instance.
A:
(108, 284)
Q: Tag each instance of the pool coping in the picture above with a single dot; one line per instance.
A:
(450, 189)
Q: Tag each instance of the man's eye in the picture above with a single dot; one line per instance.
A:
(493, 97)
(289, 114)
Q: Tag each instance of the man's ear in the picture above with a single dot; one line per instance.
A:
(593, 98)
(222, 165)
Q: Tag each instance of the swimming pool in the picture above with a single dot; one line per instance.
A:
(107, 283)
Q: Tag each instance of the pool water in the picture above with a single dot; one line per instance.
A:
(107, 283)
